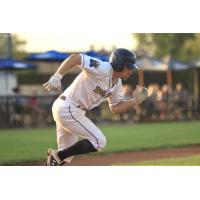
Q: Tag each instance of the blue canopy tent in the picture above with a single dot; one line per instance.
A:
(151, 64)
(175, 65)
(48, 56)
(58, 56)
(97, 55)
(8, 81)
(9, 64)
(178, 65)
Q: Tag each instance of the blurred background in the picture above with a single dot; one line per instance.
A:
(169, 63)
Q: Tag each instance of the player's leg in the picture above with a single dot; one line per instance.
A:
(78, 124)
(75, 121)
(65, 140)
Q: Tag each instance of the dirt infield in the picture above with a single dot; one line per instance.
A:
(131, 157)
(126, 157)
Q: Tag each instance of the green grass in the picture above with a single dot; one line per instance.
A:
(182, 161)
(17, 145)
(150, 136)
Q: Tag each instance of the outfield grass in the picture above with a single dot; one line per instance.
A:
(17, 145)
(183, 161)
(150, 136)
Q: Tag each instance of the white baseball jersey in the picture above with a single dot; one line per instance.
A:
(94, 85)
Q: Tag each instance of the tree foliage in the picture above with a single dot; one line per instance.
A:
(17, 47)
(181, 46)
(3, 45)
(191, 50)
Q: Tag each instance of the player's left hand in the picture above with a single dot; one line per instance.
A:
(54, 83)
(140, 94)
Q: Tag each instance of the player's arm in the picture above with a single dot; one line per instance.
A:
(72, 61)
(123, 106)
(139, 96)
(54, 82)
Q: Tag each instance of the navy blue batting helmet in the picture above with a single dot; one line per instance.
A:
(123, 57)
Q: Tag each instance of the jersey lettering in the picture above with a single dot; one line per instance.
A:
(102, 92)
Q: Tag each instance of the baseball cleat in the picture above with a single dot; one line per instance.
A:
(52, 158)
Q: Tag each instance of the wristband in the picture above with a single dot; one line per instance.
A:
(58, 75)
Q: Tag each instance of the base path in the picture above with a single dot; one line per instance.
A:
(120, 158)
(135, 156)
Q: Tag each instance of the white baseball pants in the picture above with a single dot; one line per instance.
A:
(72, 124)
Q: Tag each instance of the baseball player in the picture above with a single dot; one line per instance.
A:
(99, 81)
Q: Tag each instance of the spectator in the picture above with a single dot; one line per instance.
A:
(19, 107)
(164, 105)
(180, 98)
(38, 114)
(151, 106)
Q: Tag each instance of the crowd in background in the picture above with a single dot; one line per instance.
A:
(162, 103)
(25, 111)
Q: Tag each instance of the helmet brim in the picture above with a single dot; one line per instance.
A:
(133, 66)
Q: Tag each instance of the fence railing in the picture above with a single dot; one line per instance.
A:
(35, 111)
(26, 111)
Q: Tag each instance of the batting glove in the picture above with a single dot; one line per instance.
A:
(54, 83)
(140, 94)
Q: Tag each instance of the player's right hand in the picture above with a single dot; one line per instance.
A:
(54, 83)
(140, 94)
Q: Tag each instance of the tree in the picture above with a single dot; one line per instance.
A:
(191, 48)
(12, 48)
(145, 43)
(3, 45)
(160, 45)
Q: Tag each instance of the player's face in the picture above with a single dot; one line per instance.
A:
(126, 73)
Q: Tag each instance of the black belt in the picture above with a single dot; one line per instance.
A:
(64, 98)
